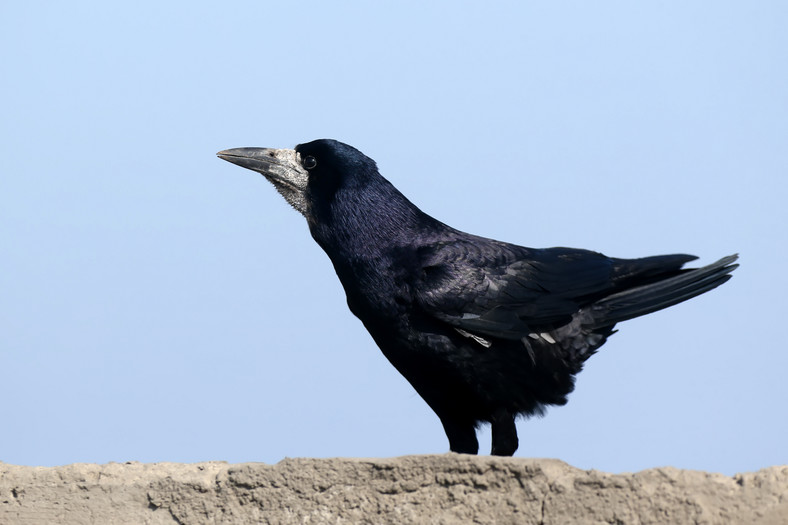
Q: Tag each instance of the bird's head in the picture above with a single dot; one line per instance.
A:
(309, 175)
(349, 207)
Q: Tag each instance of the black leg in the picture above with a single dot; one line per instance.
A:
(462, 436)
(504, 435)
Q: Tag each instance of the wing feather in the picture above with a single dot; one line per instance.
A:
(507, 291)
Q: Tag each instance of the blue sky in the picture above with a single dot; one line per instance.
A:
(158, 304)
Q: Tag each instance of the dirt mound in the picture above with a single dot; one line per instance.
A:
(415, 489)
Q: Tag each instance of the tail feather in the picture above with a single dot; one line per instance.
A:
(645, 299)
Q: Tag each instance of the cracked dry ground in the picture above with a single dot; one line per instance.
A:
(444, 489)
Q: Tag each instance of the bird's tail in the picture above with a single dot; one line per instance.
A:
(642, 300)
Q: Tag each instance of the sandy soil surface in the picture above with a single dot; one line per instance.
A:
(444, 489)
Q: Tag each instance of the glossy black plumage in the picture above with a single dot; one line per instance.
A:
(485, 331)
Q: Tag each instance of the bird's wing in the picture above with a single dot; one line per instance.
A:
(507, 291)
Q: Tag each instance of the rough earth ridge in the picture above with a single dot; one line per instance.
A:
(444, 489)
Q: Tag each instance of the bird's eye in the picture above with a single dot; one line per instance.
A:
(309, 162)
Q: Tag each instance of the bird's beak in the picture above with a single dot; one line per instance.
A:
(280, 166)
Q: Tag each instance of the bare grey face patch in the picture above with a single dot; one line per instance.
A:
(282, 167)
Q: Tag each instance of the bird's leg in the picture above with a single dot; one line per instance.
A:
(462, 435)
(504, 434)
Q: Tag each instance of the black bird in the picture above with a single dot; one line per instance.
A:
(484, 330)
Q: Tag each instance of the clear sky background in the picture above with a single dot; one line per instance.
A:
(159, 304)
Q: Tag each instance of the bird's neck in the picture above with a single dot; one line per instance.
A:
(364, 226)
